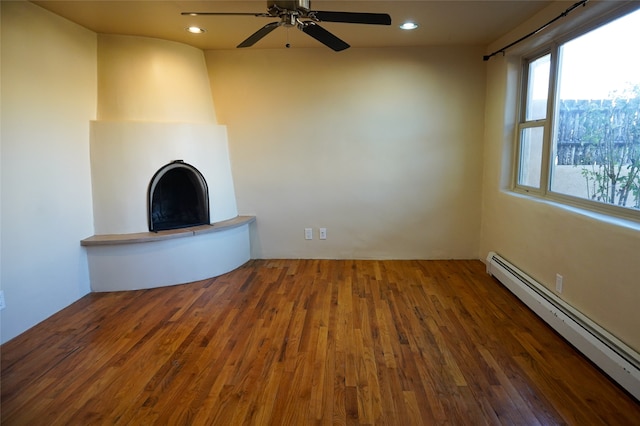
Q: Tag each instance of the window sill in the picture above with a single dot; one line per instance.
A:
(623, 222)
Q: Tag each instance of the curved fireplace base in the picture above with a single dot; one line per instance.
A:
(148, 260)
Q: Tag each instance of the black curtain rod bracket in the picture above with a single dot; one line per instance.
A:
(532, 33)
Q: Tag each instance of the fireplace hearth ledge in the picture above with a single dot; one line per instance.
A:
(146, 237)
(123, 262)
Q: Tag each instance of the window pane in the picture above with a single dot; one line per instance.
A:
(597, 133)
(538, 88)
(530, 156)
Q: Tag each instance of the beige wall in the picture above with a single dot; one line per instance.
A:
(147, 79)
(49, 88)
(597, 258)
(383, 147)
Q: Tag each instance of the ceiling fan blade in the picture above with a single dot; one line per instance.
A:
(352, 17)
(224, 14)
(323, 36)
(255, 37)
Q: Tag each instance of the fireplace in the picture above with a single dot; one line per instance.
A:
(178, 198)
(136, 136)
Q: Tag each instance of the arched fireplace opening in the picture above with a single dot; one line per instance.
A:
(178, 197)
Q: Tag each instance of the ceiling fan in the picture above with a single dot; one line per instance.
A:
(298, 13)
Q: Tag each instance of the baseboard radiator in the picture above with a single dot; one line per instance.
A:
(611, 355)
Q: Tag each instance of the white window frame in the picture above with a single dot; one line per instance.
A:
(548, 123)
(545, 123)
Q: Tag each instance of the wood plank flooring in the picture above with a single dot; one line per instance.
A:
(304, 342)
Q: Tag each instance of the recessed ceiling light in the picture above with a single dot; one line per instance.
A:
(196, 30)
(409, 26)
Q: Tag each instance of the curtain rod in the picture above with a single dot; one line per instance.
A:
(562, 15)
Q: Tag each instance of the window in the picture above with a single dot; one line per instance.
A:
(535, 122)
(579, 131)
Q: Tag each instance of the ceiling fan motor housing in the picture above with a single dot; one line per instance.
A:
(289, 5)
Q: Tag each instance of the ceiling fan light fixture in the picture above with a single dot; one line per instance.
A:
(195, 30)
(408, 25)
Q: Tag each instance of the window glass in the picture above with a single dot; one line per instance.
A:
(530, 156)
(538, 88)
(597, 121)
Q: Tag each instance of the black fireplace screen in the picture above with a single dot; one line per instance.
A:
(178, 197)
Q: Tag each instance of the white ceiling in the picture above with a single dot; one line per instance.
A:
(452, 22)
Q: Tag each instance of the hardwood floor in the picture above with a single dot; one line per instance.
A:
(299, 342)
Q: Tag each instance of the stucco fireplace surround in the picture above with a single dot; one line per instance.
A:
(155, 113)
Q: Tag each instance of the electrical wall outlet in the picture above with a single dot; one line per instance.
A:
(2, 305)
(559, 283)
(308, 233)
(323, 233)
